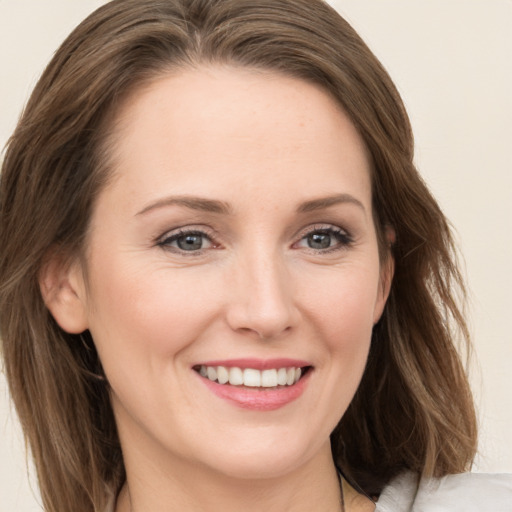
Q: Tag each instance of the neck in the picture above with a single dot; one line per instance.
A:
(313, 486)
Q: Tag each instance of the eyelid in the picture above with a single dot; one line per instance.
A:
(329, 228)
(322, 227)
(164, 239)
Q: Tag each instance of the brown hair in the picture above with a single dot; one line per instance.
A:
(413, 409)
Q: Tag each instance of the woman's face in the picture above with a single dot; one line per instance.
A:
(235, 243)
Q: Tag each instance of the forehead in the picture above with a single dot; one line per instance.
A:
(202, 130)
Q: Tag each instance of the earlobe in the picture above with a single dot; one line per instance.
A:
(63, 291)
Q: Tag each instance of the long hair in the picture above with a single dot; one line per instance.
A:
(413, 409)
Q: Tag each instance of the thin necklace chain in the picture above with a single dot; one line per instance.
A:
(342, 497)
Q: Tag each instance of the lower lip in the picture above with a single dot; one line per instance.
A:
(258, 399)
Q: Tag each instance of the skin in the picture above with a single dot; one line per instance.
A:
(268, 148)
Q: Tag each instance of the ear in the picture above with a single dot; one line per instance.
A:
(387, 271)
(63, 290)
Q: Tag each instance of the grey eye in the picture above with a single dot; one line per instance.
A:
(186, 241)
(319, 240)
(190, 242)
(323, 240)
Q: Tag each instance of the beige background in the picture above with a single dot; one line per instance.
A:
(452, 61)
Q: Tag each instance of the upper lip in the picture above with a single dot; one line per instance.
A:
(257, 364)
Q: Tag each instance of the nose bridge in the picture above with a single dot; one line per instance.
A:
(262, 301)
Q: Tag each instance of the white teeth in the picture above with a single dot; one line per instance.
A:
(281, 376)
(236, 376)
(222, 375)
(211, 372)
(269, 378)
(251, 377)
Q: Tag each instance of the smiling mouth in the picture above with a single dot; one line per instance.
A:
(252, 377)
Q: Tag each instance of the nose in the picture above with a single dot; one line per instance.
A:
(261, 298)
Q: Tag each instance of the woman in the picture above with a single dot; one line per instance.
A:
(237, 293)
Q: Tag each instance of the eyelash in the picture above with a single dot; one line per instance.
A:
(166, 240)
(342, 237)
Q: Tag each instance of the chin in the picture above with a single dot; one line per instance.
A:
(265, 456)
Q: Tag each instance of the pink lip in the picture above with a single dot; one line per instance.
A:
(257, 364)
(258, 399)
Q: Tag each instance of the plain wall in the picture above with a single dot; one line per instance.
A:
(452, 62)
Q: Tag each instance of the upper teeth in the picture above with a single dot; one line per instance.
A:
(251, 377)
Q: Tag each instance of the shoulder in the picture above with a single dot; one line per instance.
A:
(465, 492)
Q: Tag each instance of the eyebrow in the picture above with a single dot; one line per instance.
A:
(326, 202)
(220, 207)
(191, 202)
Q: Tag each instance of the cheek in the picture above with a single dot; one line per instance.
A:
(343, 305)
(144, 318)
(340, 315)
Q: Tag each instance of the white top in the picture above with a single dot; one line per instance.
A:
(467, 492)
